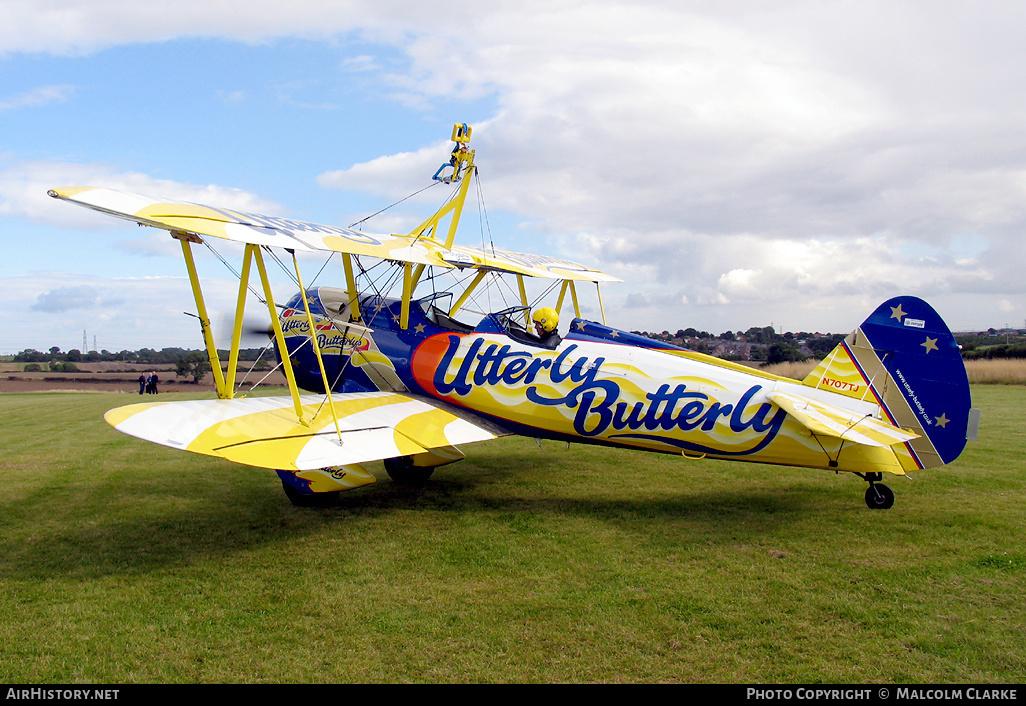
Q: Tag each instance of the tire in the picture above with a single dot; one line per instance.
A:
(401, 470)
(301, 499)
(879, 497)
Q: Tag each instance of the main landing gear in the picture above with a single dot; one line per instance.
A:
(878, 495)
(402, 470)
(300, 498)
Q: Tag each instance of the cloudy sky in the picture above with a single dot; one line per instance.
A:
(736, 163)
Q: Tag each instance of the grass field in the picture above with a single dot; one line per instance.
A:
(127, 562)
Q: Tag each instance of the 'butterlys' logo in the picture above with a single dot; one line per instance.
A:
(330, 338)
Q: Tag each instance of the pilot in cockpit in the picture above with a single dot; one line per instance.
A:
(546, 321)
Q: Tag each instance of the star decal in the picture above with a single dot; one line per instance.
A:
(614, 334)
(930, 344)
(580, 326)
(897, 313)
(419, 328)
(942, 421)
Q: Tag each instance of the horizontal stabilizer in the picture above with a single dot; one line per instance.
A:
(822, 418)
(265, 432)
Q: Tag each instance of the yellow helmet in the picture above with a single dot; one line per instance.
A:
(547, 318)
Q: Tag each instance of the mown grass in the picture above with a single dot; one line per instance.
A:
(127, 562)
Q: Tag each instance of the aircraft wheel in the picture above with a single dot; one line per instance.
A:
(879, 497)
(301, 499)
(402, 470)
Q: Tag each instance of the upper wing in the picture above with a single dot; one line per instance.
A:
(251, 227)
(524, 264)
(264, 431)
(299, 235)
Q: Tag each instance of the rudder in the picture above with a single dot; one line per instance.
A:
(905, 358)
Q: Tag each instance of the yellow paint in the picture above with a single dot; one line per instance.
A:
(316, 346)
(66, 192)
(573, 295)
(354, 295)
(562, 294)
(525, 302)
(438, 457)
(240, 307)
(208, 338)
(404, 320)
(337, 478)
(160, 211)
(279, 336)
(467, 292)
(426, 428)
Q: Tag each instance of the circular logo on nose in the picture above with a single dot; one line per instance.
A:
(432, 357)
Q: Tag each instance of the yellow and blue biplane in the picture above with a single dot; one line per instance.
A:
(413, 359)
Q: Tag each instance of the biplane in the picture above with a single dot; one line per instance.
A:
(429, 346)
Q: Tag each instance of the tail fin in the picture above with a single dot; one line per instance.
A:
(905, 358)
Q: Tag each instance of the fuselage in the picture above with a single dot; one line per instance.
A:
(599, 385)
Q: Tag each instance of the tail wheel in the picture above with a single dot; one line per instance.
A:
(879, 496)
(402, 470)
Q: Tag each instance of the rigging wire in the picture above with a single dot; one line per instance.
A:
(482, 211)
(362, 220)
(545, 293)
(233, 271)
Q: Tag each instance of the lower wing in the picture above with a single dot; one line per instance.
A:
(265, 431)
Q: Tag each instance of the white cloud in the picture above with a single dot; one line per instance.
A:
(394, 175)
(66, 298)
(758, 155)
(43, 95)
(24, 186)
(122, 312)
(747, 158)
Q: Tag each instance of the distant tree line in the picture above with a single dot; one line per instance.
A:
(189, 363)
(759, 343)
(145, 356)
(992, 343)
(765, 345)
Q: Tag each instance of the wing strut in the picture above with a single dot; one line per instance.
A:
(201, 308)
(240, 307)
(573, 295)
(408, 285)
(316, 345)
(525, 302)
(354, 295)
(466, 293)
(279, 335)
(226, 384)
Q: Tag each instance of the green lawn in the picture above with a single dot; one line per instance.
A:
(127, 562)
